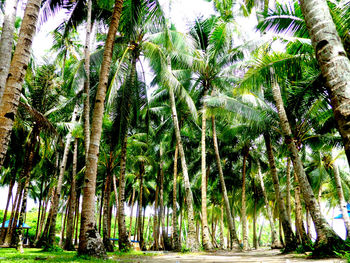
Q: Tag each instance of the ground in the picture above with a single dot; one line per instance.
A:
(261, 255)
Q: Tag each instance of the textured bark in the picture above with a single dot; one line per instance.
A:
(123, 241)
(131, 212)
(106, 226)
(222, 241)
(191, 237)
(327, 240)
(90, 241)
(233, 235)
(63, 223)
(166, 244)
(17, 72)
(255, 238)
(333, 61)
(205, 230)
(288, 197)
(3, 229)
(274, 239)
(86, 111)
(155, 217)
(6, 41)
(175, 231)
(68, 245)
(289, 237)
(139, 227)
(342, 202)
(243, 210)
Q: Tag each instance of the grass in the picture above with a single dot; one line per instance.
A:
(37, 255)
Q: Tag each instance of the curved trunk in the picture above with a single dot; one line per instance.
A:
(274, 239)
(68, 245)
(90, 240)
(6, 41)
(333, 61)
(243, 211)
(231, 225)
(123, 241)
(342, 202)
(106, 226)
(327, 240)
(17, 71)
(289, 237)
(175, 231)
(205, 229)
(191, 237)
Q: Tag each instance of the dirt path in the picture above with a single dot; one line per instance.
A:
(259, 256)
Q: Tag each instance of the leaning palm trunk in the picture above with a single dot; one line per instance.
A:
(19, 64)
(3, 229)
(289, 237)
(274, 239)
(231, 225)
(68, 245)
(6, 41)
(175, 231)
(191, 236)
(205, 228)
(327, 240)
(342, 202)
(333, 61)
(243, 211)
(90, 241)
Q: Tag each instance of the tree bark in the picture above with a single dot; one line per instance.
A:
(106, 237)
(233, 235)
(243, 211)
(3, 229)
(155, 217)
(166, 244)
(191, 237)
(175, 231)
(6, 41)
(17, 72)
(139, 227)
(333, 61)
(327, 240)
(90, 241)
(288, 186)
(289, 237)
(131, 212)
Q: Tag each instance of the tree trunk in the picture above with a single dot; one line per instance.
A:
(327, 240)
(3, 229)
(155, 217)
(90, 241)
(107, 194)
(231, 225)
(205, 230)
(334, 64)
(255, 238)
(17, 72)
(243, 211)
(342, 202)
(166, 244)
(289, 237)
(139, 227)
(274, 239)
(222, 241)
(260, 232)
(6, 41)
(63, 223)
(288, 197)
(191, 237)
(68, 245)
(131, 212)
(175, 231)
(123, 241)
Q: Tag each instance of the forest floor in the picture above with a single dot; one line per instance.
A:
(260, 255)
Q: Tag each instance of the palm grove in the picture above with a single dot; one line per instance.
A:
(227, 131)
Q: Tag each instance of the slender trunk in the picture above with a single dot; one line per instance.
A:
(327, 240)
(116, 203)
(289, 237)
(342, 202)
(63, 223)
(106, 200)
(78, 215)
(6, 41)
(3, 229)
(231, 225)
(123, 241)
(70, 222)
(139, 227)
(255, 238)
(175, 231)
(308, 223)
(90, 241)
(101, 198)
(131, 212)
(39, 209)
(222, 242)
(243, 211)
(288, 197)
(274, 240)
(191, 237)
(260, 232)
(155, 217)
(335, 67)
(17, 72)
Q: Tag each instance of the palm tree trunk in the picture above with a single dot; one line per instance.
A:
(327, 240)
(155, 217)
(90, 240)
(231, 225)
(6, 41)
(274, 240)
(243, 211)
(123, 241)
(3, 229)
(288, 197)
(175, 231)
(166, 245)
(17, 71)
(289, 237)
(71, 211)
(191, 237)
(63, 222)
(255, 238)
(131, 212)
(205, 230)
(107, 194)
(139, 227)
(222, 242)
(334, 64)
(342, 202)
